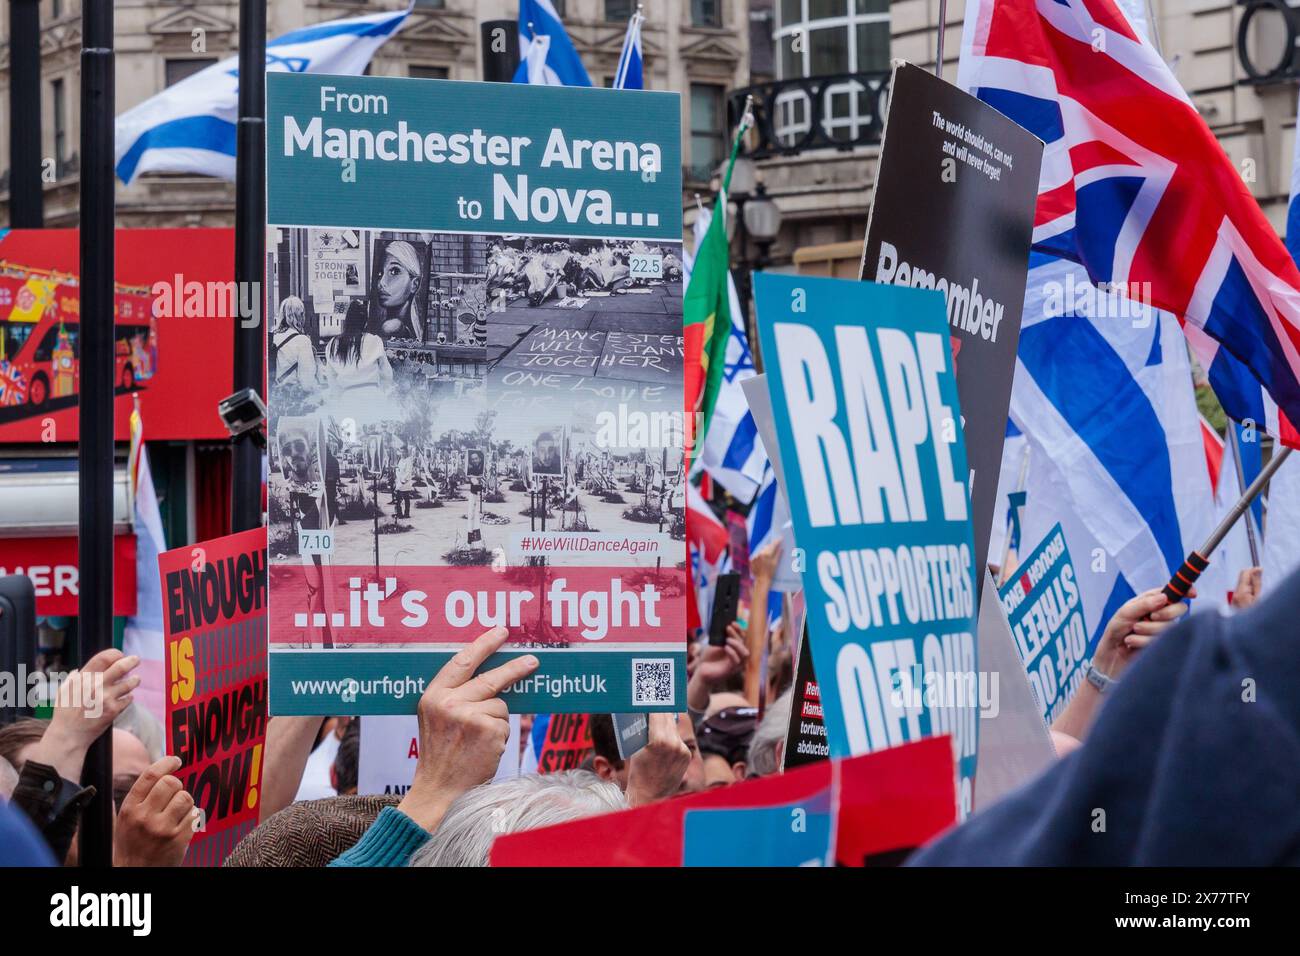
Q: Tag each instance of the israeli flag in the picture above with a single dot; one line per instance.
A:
(190, 127)
(768, 521)
(1115, 454)
(558, 63)
(628, 76)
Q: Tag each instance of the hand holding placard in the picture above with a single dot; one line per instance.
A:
(655, 772)
(464, 727)
(88, 702)
(157, 820)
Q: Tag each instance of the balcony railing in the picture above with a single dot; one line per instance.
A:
(841, 111)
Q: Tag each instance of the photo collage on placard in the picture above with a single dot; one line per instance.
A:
(434, 396)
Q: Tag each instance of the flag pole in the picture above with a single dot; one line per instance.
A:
(250, 251)
(26, 191)
(96, 402)
(938, 44)
(1241, 483)
(1181, 583)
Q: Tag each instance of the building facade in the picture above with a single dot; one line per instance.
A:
(699, 48)
(822, 181)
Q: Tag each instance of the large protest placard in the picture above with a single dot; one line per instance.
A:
(476, 391)
(869, 811)
(1044, 608)
(954, 211)
(214, 618)
(866, 414)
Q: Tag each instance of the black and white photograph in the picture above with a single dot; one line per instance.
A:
(583, 326)
(418, 326)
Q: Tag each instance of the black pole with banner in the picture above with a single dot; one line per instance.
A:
(26, 191)
(250, 253)
(95, 407)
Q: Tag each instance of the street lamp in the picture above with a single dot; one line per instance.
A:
(762, 222)
(759, 219)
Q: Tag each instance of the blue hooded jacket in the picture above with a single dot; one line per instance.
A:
(1194, 760)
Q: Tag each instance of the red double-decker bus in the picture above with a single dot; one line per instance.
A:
(40, 336)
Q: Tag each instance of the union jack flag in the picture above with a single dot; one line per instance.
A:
(1135, 187)
(13, 384)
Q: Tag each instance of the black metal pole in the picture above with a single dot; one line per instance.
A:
(1196, 562)
(250, 253)
(26, 192)
(763, 260)
(96, 400)
(500, 39)
(938, 38)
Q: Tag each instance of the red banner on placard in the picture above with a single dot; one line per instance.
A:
(885, 805)
(51, 563)
(581, 606)
(175, 305)
(214, 596)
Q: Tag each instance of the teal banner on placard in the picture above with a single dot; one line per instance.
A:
(496, 158)
(368, 681)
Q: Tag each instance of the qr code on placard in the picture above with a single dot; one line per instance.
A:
(652, 682)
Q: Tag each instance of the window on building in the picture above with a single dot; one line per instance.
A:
(59, 96)
(422, 72)
(431, 4)
(177, 70)
(618, 11)
(707, 133)
(841, 37)
(706, 13)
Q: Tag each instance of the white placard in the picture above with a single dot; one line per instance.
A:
(390, 748)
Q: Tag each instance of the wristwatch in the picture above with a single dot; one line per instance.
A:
(1097, 679)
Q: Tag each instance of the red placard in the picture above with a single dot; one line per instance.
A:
(567, 742)
(51, 563)
(889, 803)
(214, 616)
(174, 322)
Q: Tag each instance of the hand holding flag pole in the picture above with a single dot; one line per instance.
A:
(1199, 559)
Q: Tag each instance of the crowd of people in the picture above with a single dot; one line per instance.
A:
(561, 268)
(311, 814)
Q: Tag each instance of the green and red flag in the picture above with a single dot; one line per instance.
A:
(706, 315)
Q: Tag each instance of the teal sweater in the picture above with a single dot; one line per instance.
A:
(390, 841)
